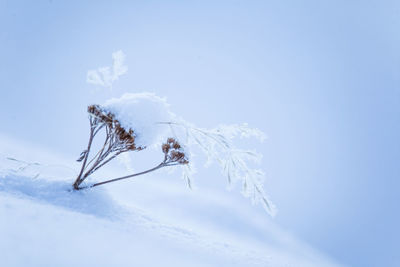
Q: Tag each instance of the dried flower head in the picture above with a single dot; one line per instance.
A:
(174, 152)
(125, 137)
(100, 115)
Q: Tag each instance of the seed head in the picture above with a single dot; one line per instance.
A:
(174, 152)
(125, 137)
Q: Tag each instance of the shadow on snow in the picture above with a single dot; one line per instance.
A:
(94, 202)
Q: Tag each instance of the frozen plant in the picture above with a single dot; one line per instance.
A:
(118, 140)
(137, 121)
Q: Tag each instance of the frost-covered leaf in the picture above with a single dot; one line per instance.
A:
(217, 145)
(106, 76)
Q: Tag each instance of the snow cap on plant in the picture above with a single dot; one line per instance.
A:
(141, 113)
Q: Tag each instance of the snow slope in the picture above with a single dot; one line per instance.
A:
(153, 222)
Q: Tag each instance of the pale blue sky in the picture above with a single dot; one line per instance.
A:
(320, 78)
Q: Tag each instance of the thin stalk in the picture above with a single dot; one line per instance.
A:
(100, 152)
(78, 180)
(95, 167)
(163, 164)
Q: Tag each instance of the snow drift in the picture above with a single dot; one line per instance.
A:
(153, 223)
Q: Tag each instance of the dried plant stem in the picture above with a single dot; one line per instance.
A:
(131, 175)
(161, 165)
(79, 180)
(101, 157)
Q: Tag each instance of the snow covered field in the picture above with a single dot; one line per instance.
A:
(152, 221)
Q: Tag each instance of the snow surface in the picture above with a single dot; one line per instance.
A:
(148, 222)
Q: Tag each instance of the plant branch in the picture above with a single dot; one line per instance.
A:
(78, 180)
(163, 164)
